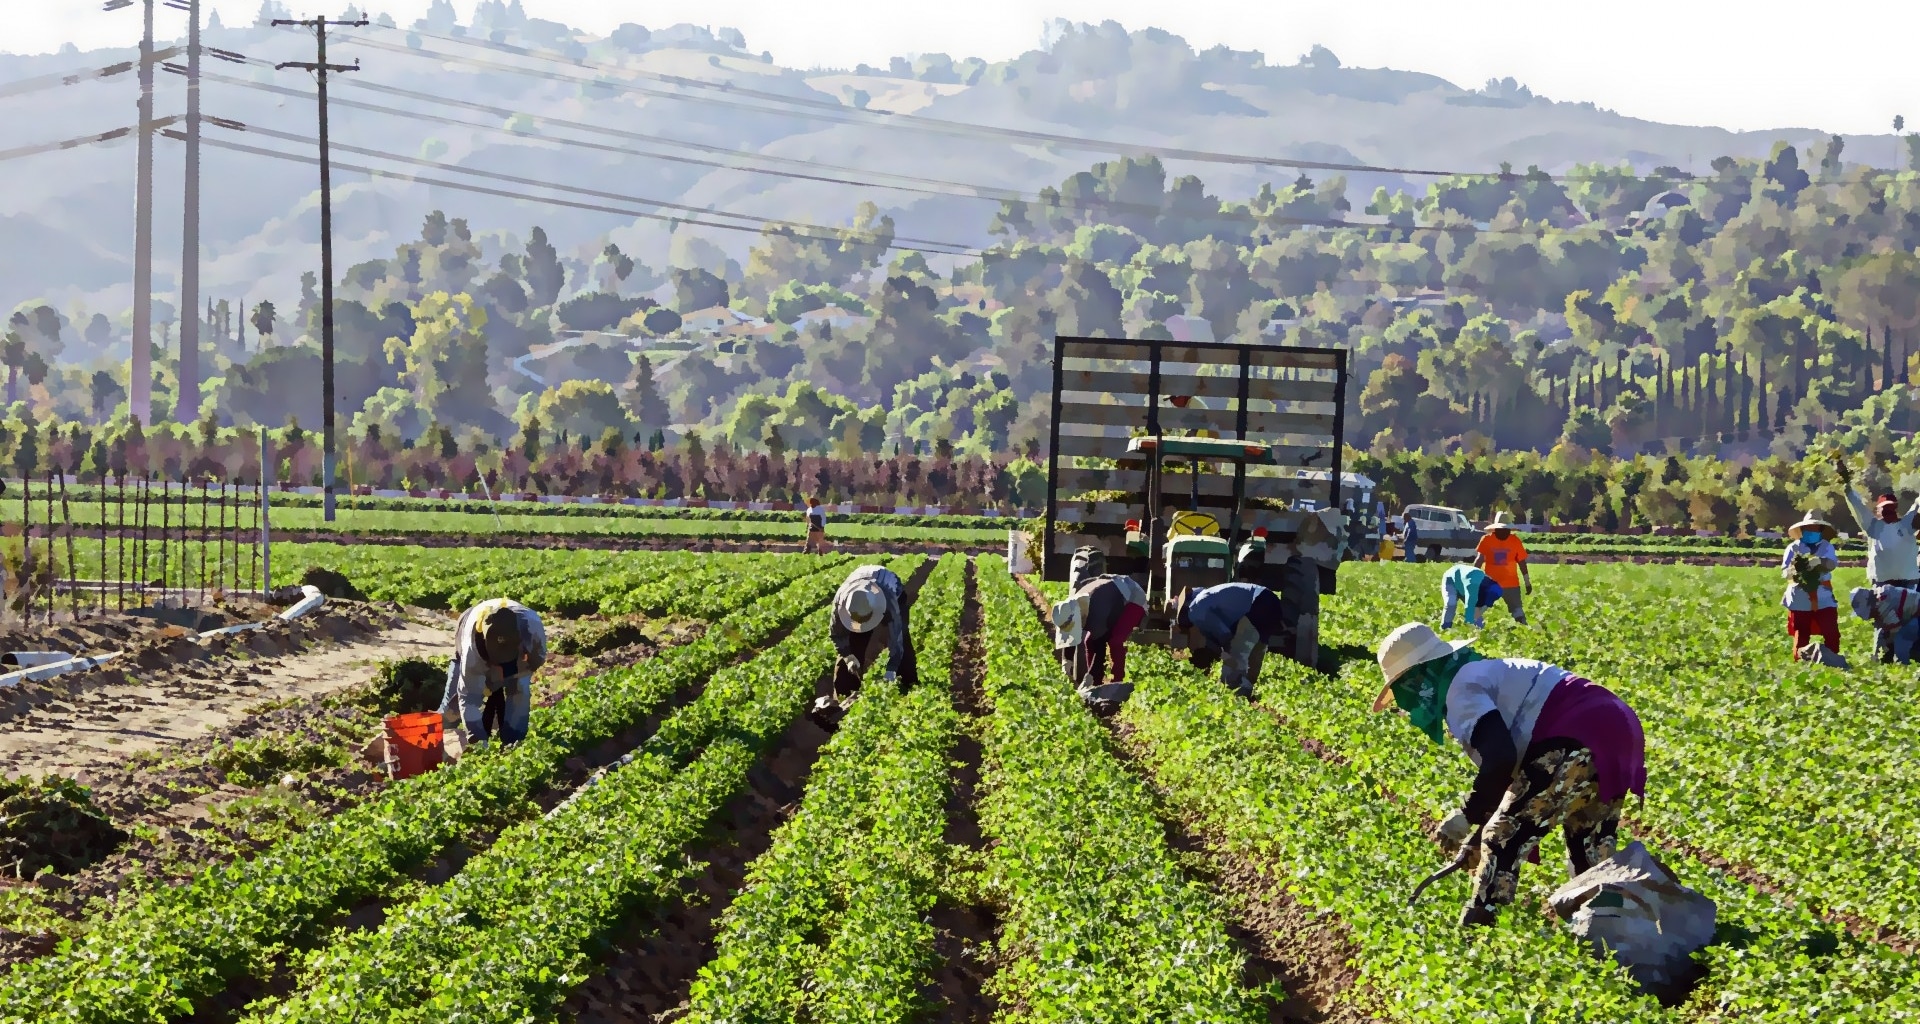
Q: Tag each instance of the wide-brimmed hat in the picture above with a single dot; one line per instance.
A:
(863, 608)
(1407, 647)
(1499, 523)
(500, 636)
(1812, 520)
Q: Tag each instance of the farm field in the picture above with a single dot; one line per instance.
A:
(983, 847)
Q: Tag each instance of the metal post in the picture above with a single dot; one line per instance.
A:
(320, 68)
(266, 529)
(188, 408)
(140, 393)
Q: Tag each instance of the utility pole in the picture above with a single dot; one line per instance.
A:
(188, 409)
(140, 387)
(321, 68)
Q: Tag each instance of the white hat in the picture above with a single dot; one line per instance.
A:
(861, 611)
(1812, 519)
(1499, 523)
(1407, 647)
(1069, 622)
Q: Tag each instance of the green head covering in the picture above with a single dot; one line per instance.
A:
(1422, 692)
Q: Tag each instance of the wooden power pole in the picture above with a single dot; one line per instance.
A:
(321, 69)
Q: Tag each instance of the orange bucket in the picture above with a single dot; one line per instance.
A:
(414, 743)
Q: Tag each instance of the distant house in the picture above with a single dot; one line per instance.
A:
(715, 319)
(835, 317)
(1189, 328)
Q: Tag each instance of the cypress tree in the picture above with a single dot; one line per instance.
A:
(1760, 407)
(1886, 357)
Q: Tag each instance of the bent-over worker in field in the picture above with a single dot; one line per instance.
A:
(1504, 558)
(1232, 623)
(1464, 585)
(869, 616)
(498, 646)
(1893, 558)
(1091, 626)
(1808, 565)
(1553, 749)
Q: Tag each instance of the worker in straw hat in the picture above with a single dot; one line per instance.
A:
(1808, 565)
(1893, 557)
(1091, 627)
(1553, 750)
(1504, 559)
(869, 616)
(498, 645)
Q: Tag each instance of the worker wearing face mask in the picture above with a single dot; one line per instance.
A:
(1808, 565)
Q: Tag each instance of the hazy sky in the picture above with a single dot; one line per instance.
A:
(1842, 65)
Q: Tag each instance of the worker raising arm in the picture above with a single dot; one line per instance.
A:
(869, 616)
(1233, 623)
(1504, 558)
(1893, 559)
(1552, 749)
(498, 646)
(1093, 625)
(1466, 585)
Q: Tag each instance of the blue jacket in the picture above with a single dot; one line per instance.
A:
(1217, 611)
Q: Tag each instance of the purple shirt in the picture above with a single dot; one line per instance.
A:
(1589, 714)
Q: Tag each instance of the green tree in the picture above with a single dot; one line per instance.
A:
(545, 275)
(643, 395)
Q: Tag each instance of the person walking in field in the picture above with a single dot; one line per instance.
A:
(1234, 624)
(1092, 626)
(1552, 749)
(1410, 538)
(869, 617)
(1504, 558)
(1808, 565)
(1465, 586)
(816, 528)
(498, 646)
(1893, 558)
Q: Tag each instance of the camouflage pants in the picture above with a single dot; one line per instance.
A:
(1556, 786)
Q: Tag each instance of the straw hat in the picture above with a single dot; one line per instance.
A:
(863, 607)
(1811, 520)
(1499, 523)
(1407, 647)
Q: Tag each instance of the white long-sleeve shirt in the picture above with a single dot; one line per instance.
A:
(1892, 553)
(1797, 597)
(473, 675)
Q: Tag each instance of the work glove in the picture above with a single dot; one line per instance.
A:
(1454, 832)
(892, 677)
(851, 666)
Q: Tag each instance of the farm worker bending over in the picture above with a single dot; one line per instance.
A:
(869, 616)
(498, 646)
(1552, 749)
(1466, 585)
(1888, 608)
(1808, 565)
(1505, 559)
(816, 528)
(1232, 623)
(1092, 625)
(1893, 559)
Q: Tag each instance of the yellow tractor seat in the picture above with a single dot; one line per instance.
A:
(1193, 524)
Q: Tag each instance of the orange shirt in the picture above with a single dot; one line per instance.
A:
(1501, 558)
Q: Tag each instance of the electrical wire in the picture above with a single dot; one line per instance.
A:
(758, 223)
(41, 83)
(788, 229)
(78, 141)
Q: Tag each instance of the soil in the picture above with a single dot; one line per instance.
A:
(964, 931)
(171, 686)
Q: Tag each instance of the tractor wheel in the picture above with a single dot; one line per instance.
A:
(1299, 590)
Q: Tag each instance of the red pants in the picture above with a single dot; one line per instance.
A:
(1826, 622)
(1094, 652)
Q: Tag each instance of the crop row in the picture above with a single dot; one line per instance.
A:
(171, 948)
(1732, 734)
(1098, 923)
(831, 923)
(509, 935)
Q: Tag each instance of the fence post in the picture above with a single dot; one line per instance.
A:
(266, 529)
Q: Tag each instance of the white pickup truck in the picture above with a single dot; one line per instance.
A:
(1440, 533)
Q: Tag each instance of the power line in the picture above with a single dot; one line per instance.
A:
(78, 141)
(552, 201)
(40, 83)
(921, 244)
